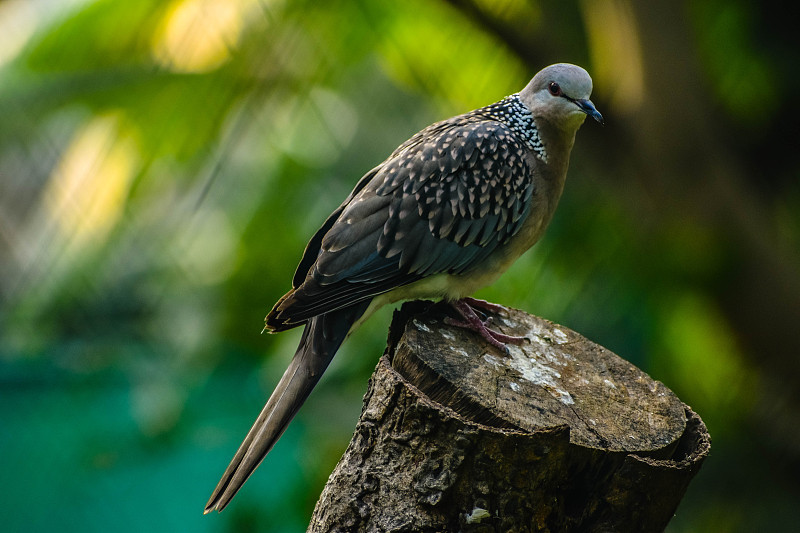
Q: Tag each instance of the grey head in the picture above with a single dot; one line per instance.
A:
(560, 95)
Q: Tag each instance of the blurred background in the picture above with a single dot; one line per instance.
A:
(163, 163)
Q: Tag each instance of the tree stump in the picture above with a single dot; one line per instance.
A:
(557, 435)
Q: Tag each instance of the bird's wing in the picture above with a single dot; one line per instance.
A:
(441, 203)
(312, 248)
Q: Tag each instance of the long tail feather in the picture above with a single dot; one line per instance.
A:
(321, 339)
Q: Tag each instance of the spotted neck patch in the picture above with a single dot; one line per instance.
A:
(514, 114)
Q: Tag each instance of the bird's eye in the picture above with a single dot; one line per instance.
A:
(555, 89)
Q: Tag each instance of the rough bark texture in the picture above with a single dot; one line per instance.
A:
(557, 435)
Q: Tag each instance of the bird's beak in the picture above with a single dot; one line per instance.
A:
(588, 107)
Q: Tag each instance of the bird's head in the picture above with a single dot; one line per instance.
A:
(560, 95)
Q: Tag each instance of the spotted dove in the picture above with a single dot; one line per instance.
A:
(444, 215)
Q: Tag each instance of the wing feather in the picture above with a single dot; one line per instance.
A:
(441, 203)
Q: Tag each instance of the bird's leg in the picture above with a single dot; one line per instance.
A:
(473, 322)
(477, 303)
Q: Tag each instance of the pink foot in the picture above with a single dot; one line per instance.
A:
(477, 303)
(466, 308)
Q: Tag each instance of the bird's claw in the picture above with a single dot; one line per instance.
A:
(477, 303)
(473, 322)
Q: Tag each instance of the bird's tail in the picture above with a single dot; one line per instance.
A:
(321, 339)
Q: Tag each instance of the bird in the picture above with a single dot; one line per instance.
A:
(443, 216)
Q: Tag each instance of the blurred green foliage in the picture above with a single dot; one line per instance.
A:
(162, 165)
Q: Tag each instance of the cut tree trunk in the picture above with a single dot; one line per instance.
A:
(558, 434)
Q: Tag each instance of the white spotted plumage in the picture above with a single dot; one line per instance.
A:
(514, 114)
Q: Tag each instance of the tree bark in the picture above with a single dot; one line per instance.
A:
(557, 435)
